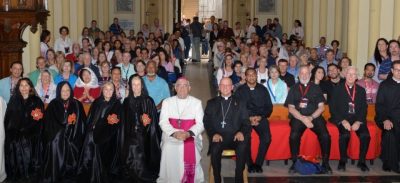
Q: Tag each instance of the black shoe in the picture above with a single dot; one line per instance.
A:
(341, 166)
(385, 167)
(292, 170)
(251, 168)
(362, 166)
(258, 168)
(326, 168)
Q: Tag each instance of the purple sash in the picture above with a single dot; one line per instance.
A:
(189, 155)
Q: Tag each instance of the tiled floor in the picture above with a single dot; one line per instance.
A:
(199, 77)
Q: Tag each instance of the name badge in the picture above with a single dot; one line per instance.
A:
(303, 103)
(352, 108)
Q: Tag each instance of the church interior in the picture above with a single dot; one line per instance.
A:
(356, 24)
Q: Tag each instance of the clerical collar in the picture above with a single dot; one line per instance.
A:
(395, 80)
(226, 98)
(350, 86)
(305, 84)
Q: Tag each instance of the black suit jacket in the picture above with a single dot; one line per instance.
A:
(237, 118)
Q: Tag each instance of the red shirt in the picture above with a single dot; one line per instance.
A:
(94, 92)
(71, 57)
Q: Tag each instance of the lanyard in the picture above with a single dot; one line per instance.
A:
(352, 97)
(126, 73)
(270, 90)
(305, 92)
(225, 113)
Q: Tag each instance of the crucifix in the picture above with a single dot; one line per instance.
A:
(223, 124)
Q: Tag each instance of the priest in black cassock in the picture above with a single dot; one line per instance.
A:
(387, 118)
(348, 108)
(99, 160)
(259, 107)
(23, 126)
(64, 133)
(141, 152)
(306, 104)
(227, 124)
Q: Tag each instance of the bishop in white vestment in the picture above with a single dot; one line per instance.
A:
(181, 122)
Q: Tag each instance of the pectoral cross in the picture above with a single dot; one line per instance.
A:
(223, 124)
(179, 123)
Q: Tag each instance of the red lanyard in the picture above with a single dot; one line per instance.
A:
(305, 92)
(354, 92)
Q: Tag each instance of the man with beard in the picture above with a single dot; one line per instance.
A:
(327, 86)
(368, 83)
(259, 107)
(157, 87)
(306, 104)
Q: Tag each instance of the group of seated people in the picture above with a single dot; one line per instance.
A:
(304, 79)
(305, 102)
(134, 130)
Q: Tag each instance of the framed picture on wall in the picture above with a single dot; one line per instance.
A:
(266, 6)
(125, 6)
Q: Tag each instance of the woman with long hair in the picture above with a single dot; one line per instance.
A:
(381, 53)
(63, 133)
(60, 59)
(318, 77)
(141, 151)
(23, 126)
(99, 160)
(226, 70)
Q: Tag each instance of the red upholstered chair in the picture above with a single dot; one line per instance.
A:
(374, 145)
(280, 131)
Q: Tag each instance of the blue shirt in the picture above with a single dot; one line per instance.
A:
(5, 89)
(385, 66)
(158, 89)
(278, 93)
(294, 72)
(324, 64)
(126, 72)
(71, 80)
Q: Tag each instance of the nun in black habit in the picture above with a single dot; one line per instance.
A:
(100, 154)
(141, 152)
(64, 133)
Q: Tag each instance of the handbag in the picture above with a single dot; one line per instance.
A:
(307, 165)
